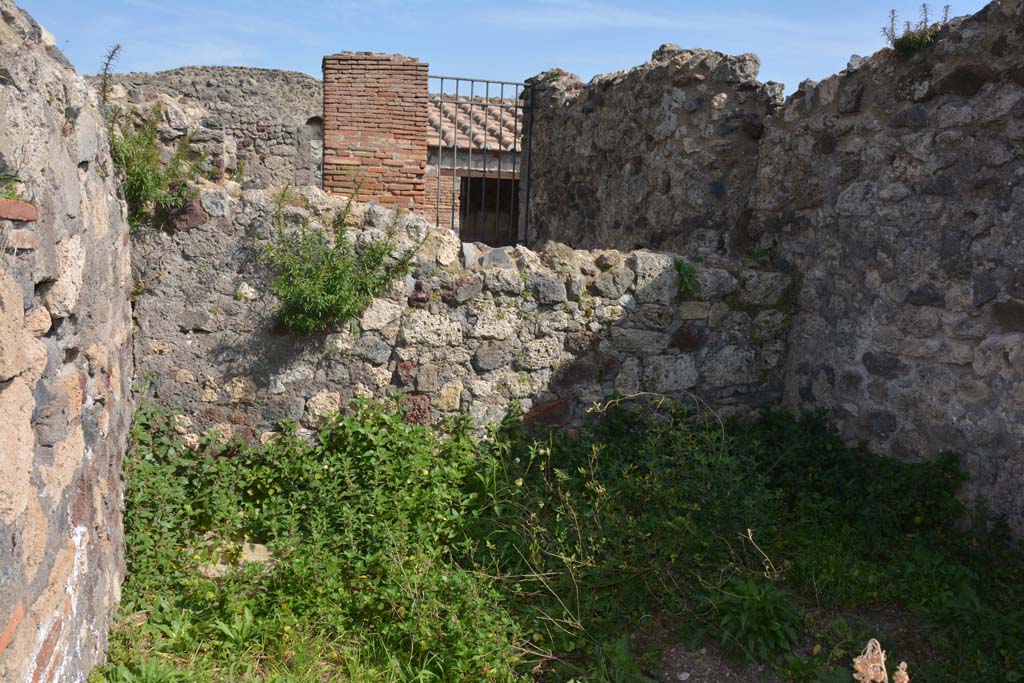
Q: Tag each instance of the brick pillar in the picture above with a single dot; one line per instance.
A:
(375, 127)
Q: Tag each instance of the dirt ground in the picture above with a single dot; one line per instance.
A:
(706, 665)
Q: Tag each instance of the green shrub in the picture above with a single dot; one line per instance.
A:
(362, 524)
(857, 529)
(753, 618)
(914, 37)
(152, 189)
(591, 532)
(323, 280)
(146, 671)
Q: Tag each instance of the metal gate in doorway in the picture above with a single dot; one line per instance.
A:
(476, 176)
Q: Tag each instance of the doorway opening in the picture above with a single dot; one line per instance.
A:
(489, 210)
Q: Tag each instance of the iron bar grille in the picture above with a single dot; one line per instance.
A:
(476, 158)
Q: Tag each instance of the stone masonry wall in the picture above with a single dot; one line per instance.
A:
(659, 157)
(375, 119)
(268, 121)
(892, 191)
(65, 365)
(896, 189)
(470, 330)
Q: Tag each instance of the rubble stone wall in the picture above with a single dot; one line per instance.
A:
(267, 121)
(662, 156)
(894, 191)
(65, 365)
(471, 329)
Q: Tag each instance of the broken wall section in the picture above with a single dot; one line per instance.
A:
(264, 126)
(470, 330)
(662, 156)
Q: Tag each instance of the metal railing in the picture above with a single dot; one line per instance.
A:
(478, 157)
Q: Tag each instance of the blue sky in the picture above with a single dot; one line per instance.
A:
(496, 39)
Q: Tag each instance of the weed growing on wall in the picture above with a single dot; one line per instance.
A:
(238, 174)
(381, 551)
(687, 284)
(106, 71)
(914, 37)
(153, 188)
(9, 186)
(325, 280)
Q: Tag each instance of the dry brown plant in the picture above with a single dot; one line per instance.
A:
(869, 666)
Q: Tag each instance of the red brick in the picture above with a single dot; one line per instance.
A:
(22, 240)
(553, 413)
(417, 409)
(16, 210)
(12, 625)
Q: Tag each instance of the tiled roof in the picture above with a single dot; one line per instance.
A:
(494, 124)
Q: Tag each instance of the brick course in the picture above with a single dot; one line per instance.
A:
(375, 112)
(449, 200)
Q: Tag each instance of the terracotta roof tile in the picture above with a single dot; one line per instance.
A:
(483, 124)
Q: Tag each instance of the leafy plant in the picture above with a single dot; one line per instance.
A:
(153, 189)
(146, 671)
(591, 532)
(241, 631)
(616, 662)
(324, 280)
(914, 37)
(401, 553)
(362, 524)
(814, 669)
(753, 618)
(687, 284)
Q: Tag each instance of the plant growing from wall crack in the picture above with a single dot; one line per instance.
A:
(325, 280)
(9, 186)
(914, 37)
(153, 189)
(687, 284)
